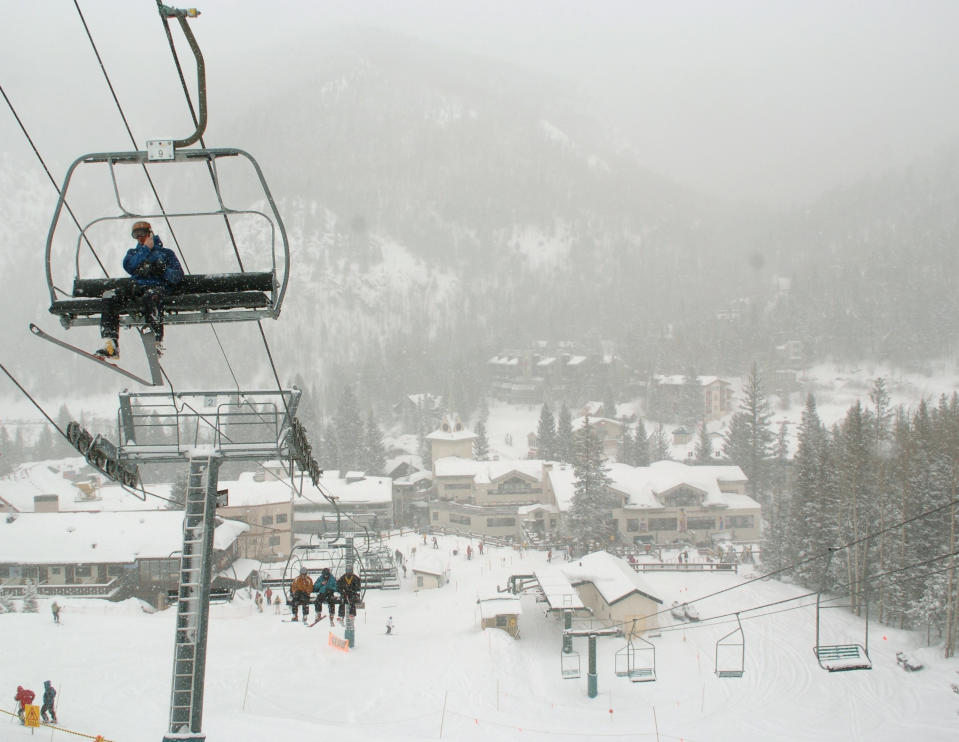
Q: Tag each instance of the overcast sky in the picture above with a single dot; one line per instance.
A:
(757, 99)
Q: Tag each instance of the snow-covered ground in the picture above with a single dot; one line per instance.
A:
(440, 676)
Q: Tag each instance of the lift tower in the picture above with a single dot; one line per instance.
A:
(202, 430)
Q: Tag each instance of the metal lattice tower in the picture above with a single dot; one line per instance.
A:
(203, 429)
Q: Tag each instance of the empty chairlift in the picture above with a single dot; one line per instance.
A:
(731, 653)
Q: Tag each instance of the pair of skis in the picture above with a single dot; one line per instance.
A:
(149, 346)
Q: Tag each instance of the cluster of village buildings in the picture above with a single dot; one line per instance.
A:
(60, 525)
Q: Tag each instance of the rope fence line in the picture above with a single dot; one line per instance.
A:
(95, 737)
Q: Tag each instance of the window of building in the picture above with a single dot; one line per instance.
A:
(738, 521)
(436, 515)
(267, 520)
(80, 571)
(274, 540)
(700, 523)
(461, 519)
(57, 570)
(632, 525)
(502, 622)
(419, 580)
(281, 517)
(683, 497)
(662, 524)
(499, 522)
(459, 486)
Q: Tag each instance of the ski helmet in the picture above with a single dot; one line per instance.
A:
(302, 570)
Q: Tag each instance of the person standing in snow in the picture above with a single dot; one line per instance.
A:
(276, 604)
(325, 593)
(55, 609)
(49, 693)
(389, 625)
(269, 596)
(23, 699)
(301, 588)
(259, 601)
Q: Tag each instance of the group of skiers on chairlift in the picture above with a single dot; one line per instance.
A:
(326, 587)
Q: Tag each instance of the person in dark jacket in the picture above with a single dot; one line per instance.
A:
(300, 594)
(325, 587)
(155, 270)
(23, 699)
(349, 586)
(49, 694)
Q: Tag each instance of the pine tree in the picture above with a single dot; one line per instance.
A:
(546, 435)
(808, 529)
(481, 442)
(659, 444)
(641, 445)
(589, 512)
(349, 432)
(749, 440)
(425, 449)
(627, 446)
(777, 514)
(691, 406)
(703, 453)
(178, 491)
(565, 443)
(374, 451)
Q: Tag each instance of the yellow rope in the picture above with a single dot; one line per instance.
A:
(96, 737)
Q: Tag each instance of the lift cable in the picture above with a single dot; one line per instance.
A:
(73, 216)
(106, 76)
(828, 552)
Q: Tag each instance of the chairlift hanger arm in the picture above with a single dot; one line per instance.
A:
(167, 12)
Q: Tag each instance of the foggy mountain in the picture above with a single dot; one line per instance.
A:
(442, 208)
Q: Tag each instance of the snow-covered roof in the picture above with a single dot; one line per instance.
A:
(429, 563)
(680, 379)
(51, 478)
(579, 422)
(504, 360)
(500, 606)
(354, 491)
(247, 492)
(610, 575)
(642, 485)
(557, 588)
(484, 472)
(95, 538)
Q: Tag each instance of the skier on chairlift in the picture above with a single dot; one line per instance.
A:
(155, 270)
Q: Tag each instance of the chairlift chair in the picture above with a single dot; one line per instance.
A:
(840, 657)
(731, 653)
(569, 664)
(638, 663)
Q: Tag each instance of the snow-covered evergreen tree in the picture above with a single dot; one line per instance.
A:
(374, 451)
(565, 443)
(546, 435)
(703, 452)
(178, 490)
(30, 591)
(658, 443)
(590, 509)
(641, 445)
(481, 442)
(749, 439)
(349, 432)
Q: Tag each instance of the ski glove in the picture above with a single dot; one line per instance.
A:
(158, 269)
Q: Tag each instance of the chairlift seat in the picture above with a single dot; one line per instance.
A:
(195, 293)
(839, 657)
(641, 674)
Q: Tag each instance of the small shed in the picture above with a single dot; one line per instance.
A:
(429, 572)
(501, 612)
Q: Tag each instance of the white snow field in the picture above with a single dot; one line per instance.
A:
(440, 676)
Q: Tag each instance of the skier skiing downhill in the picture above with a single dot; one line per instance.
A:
(301, 588)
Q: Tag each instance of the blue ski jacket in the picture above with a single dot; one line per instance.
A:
(153, 266)
(325, 587)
